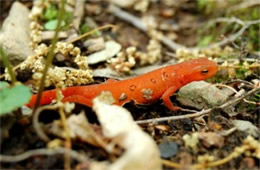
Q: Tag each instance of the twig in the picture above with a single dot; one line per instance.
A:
(240, 81)
(228, 132)
(78, 13)
(171, 44)
(243, 5)
(68, 140)
(231, 156)
(13, 69)
(36, 124)
(16, 158)
(245, 25)
(249, 144)
(170, 163)
(203, 112)
(91, 32)
(237, 93)
(138, 23)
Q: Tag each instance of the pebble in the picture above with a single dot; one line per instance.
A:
(201, 95)
(168, 149)
(111, 49)
(14, 37)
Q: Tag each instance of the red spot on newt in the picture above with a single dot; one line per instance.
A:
(153, 80)
(132, 87)
(160, 83)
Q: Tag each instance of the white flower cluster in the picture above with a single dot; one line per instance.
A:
(36, 62)
(124, 61)
(62, 77)
(59, 77)
(185, 54)
(127, 59)
(141, 5)
(36, 28)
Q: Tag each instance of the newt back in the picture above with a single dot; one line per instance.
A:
(144, 89)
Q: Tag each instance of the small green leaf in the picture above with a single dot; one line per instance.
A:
(52, 24)
(205, 40)
(14, 97)
(3, 84)
(202, 4)
(50, 13)
(257, 95)
(84, 28)
(255, 13)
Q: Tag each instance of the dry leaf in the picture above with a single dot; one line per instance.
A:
(79, 129)
(211, 139)
(141, 152)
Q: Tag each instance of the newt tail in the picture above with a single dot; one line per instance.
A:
(143, 89)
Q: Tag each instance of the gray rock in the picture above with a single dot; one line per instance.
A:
(14, 36)
(201, 95)
(95, 44)
(247, 127)
(168, 149)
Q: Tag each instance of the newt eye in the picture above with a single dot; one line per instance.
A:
(204, 71)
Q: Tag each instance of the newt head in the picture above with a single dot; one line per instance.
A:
(197, 69)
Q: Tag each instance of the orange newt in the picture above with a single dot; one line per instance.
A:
(144, 89)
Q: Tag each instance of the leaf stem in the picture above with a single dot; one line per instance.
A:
(50, 55)
(91, 32)
(7, 65)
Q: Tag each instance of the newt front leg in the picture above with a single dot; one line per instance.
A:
(166, 98)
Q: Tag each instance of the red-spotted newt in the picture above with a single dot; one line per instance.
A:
(144, 89)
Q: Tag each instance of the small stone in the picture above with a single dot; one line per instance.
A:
(168, 149)
(247, 163)
(94, 45)
(201, 95)
(111, 49)
(60, 57)
(169, 12)
(14, 37)
(124, 4)
(246, 127)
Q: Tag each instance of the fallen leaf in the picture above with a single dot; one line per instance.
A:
(79, 129)
(139, 147)
(211, 139)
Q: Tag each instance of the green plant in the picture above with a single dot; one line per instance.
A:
(50, 55)
(50, 13)
(13, 97)
(50, 17)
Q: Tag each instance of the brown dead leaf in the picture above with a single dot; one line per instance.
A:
(211, 139)
(79, 129)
